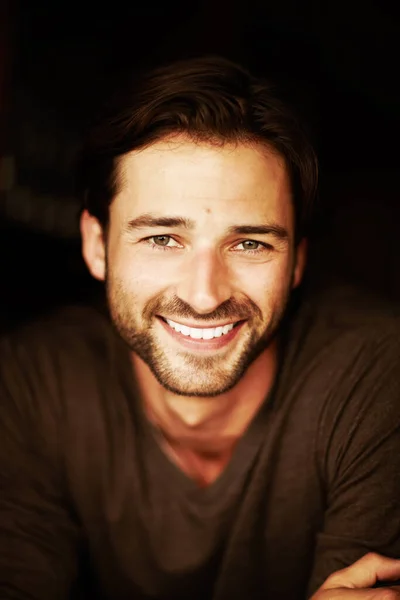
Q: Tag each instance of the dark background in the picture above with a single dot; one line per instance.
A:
(336, 60)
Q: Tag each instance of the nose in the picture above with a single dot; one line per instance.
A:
(205, 283)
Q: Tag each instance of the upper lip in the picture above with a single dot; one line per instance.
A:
(203, 325)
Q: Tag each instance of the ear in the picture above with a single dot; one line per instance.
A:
(93, 246)
(300, 264)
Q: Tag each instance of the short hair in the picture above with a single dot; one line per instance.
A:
(209, 99)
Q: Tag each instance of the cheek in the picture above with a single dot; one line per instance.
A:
(141, 277)
(265, 283)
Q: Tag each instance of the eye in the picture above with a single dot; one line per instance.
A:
(250, 245)
(162, 242)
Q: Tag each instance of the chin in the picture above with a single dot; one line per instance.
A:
(199, 386)
(191, 392)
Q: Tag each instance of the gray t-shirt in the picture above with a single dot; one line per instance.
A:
(89, 501)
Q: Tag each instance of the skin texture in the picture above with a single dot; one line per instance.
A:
(353, 582)
(201, 398)
(200, 273)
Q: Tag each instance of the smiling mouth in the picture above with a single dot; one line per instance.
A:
(197, 333)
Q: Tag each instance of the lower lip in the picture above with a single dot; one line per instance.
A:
(202, 345)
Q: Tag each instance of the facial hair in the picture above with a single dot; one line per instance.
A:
(201, 376)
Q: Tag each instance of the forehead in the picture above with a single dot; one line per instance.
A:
(183, 176)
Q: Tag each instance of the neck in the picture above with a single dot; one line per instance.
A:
(214, 424)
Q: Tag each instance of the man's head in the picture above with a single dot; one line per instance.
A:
(197, 195)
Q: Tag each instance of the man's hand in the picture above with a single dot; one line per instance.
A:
(357, 580)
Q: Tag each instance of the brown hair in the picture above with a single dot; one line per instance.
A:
(209, 99)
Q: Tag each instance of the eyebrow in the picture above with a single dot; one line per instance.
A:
(149, 220)
(269, 229)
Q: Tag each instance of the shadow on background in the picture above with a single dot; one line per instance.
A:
(336, 61)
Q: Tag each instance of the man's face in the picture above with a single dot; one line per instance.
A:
(200, 260)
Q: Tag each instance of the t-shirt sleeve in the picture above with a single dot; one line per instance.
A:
(38, 533)
(359, 450)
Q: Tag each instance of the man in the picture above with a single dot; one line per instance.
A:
(238, 438)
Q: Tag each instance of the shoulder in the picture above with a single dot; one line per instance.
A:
(38, 356)
(348, 359)
(343, 327)
(342, 361)
(67, 326)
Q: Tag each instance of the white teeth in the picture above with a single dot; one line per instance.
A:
(197, 334)
(208, 334)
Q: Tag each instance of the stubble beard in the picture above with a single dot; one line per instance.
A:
(196, 376)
